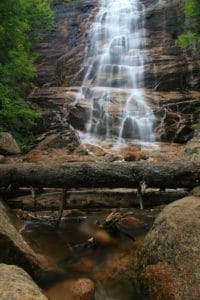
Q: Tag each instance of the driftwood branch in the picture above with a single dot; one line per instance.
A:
(101, 175)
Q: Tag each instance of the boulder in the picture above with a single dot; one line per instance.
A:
(191, 150)
(14, 249)
(8, 145)
(168, 261)
(68, 139)
(15, 283)
(79, 289)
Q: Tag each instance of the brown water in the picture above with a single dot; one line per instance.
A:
(66, 247)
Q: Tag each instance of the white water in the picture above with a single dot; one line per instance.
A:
(114, 82)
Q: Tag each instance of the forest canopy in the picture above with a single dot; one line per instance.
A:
(20, 22)
(192, 24)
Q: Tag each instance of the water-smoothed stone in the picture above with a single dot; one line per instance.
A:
(80, 289)
(168, 261)
(14, 249)
(8, 144)
(15, 283)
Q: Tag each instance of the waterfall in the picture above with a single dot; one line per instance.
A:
(114, 81)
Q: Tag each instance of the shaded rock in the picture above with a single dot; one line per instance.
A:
(78, 117)
(15, 283)
(14, 249)
(125, 225)
(80, 289)
(70, 32)
(192, 150)
(2, 159)
(184, 134)
(130, 129)
(65, 139)
(8, 144)
(196, 191)
(168, 261)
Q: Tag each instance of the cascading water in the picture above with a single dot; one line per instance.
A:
(114, 82)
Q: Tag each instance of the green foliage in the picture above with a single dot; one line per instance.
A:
(192, 14)
(20, 22)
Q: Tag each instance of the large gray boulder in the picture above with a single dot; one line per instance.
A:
(168, 264)
(8, 144)
(14, 249)
(15, 284)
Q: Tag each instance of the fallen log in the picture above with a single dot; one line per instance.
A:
(87, 199)
(101, 175)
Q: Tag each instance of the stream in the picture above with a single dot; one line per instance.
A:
(67, 247)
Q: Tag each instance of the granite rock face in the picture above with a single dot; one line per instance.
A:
(171, 76)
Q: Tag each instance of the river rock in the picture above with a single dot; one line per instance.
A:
(168, 261)
(15, 283)
(80, 289)
(14, 249)
(8, 144)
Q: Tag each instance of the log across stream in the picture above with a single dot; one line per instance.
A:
(101, 175)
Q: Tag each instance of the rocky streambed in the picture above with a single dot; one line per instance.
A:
(102, 254)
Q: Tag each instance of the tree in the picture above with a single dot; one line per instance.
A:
(192, 26)
(20, 23)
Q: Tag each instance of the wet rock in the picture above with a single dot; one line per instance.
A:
(78, 117)
(8, 144)
(168, 261)
(183, 134)
(14, 249)
(15, 283)
(80, 289)
(125, 225)
(130, 129)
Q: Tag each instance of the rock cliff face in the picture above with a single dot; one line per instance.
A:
(171, 76)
